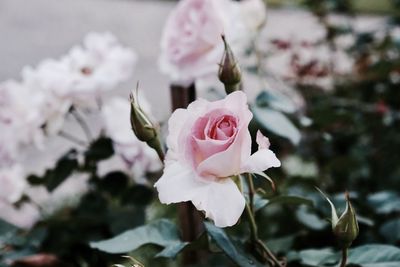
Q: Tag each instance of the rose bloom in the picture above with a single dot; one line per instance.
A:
(209, 142)
(191, 44)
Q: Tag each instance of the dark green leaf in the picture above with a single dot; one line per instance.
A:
(138, 195)
(232, 251)
(163, 233)
(99, 150)
(64, 168)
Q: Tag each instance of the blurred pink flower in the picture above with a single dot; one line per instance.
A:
(191, 44)
(208, 143)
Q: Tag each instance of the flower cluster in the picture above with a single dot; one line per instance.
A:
(36, 107)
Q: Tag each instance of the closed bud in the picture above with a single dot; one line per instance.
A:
(143, 128)
(229, 71)
(346, 228)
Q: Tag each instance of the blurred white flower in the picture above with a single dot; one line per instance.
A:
(79, 77)
(100, 65)
(20, 117)
(67, 194)
(13, 184)
(137, 156)
(24, 216)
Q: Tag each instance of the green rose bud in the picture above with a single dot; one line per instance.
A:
(143, 128)
(345, 228)
(229, 71)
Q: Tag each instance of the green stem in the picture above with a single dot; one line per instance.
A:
(230, 88)
(82, 123)
(253, 225)
(251, 192)
(72, 138)
(344, 258)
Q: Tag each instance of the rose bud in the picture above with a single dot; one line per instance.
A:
(143, 128)
(229, 72)
(345, 228)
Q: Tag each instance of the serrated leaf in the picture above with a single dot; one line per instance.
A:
(277, 123)
(162, 232)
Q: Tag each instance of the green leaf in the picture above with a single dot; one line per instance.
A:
(65, 166)
(162, 232)
(391, 231)
(375, 256)
(173, 250)
(7, 232)
(233, 252)
(310, 219)
(282, 244)
(277, 123)
(100, 149)
(316, 257)
(385, 202)
(275, 101)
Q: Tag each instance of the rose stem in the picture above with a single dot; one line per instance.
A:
(344, 257)
(72, 138)
(82, 123)
(189, 218)
(253, 225)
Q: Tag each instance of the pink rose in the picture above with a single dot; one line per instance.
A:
(191, 44)
(209, 142)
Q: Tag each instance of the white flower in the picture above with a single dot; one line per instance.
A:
(67, 194)
(20, 117)
(100, 65)
(24, 216)
(13, 184)
(137, 156)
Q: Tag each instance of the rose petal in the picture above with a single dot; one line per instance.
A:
(262, 141)
(178, 184)
(229, 161)
(260, 161)
(221, 200)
